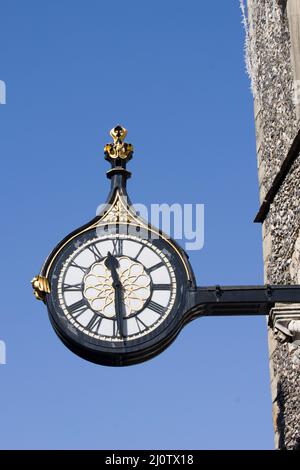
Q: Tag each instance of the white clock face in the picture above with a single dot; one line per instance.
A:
(87, 294)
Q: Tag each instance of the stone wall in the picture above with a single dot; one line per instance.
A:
(281, 231)
(271, 66)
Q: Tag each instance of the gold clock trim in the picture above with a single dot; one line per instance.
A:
(132, 217)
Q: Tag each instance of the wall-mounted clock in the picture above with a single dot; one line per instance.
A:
(118, 290)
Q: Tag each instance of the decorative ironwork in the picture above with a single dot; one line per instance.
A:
(117, 213)
(99, 291)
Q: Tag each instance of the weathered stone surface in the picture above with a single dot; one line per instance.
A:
(293, 14)
(268, 54)
(273, 28)
(282, 223)
(295, 262)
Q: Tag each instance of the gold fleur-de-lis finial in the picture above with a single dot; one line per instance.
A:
(119, 148)
(118, 133)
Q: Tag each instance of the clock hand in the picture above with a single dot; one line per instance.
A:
(119, 309)
(112, 263)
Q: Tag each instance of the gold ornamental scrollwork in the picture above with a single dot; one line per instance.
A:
(117, 213)
(99, 291)
(41, 287)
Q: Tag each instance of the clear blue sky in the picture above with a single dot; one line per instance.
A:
(173, 73)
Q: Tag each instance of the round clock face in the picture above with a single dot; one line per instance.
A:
(113, 288)
(87, 296)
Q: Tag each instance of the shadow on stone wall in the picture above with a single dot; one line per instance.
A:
(282, 4)
(280, 421)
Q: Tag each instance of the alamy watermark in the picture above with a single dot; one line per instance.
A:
(2, 352)
(2, 92)
(182, 222)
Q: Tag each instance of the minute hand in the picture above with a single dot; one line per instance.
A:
(119, 309)
(111, 263)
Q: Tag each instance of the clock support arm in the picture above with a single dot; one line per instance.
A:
(239, 300)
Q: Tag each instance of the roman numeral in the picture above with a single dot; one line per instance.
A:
(139, 252)
(73, 264)
(156, 307)
(139, 322)
(155, 267)
(117, 247)
(115, 328)
(78, 308)
(94, 323)
(96, 252)
(72, 287)
(161, 287)
(116, 332)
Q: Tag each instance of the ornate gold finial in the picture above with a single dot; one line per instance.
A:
(118, 133)
(40, 286)
(119, 149)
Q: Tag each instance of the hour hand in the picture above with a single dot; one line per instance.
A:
(112, 264)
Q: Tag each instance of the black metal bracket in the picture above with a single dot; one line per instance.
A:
(239, 300)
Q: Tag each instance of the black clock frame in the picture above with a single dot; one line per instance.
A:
(131, 350)
(192, 303)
